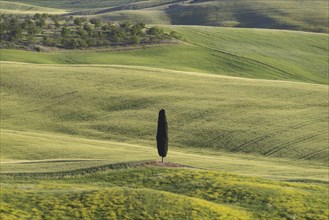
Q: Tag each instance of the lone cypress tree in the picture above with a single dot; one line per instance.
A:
(162, 134)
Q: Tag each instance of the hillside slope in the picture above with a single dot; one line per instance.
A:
(112, 203)
(247, 112)
(274, 119)
(262, 54)
(79, 4)
(33, 153)
(305, 15)
(158, 193)
(21, 8)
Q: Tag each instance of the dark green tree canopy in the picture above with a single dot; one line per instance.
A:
(74, 33)
(162, 134)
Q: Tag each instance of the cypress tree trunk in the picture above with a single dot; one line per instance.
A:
(162, 134)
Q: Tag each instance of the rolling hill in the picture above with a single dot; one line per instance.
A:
(262, 54)
(117, 203)
(21, 8)
(159, 193)
(247, 109)
(294, 15)
(206, 111)
(302, 15)
(34, 153)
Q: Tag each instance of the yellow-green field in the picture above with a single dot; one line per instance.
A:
(248, 127)
(252, 53)
(64, 127)
(270, 118)
(60, 176)
(22, 152)
(7, 7)
(158, 193)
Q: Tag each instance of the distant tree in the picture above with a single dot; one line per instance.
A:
(79, 21)
(175, 35)
(155, 34)
(56, 23)
(26, 22)
(71, 32)
(81, 43)
(55, 19)
(45, 16)
(70, 43)
(36, 16)
(65, 32)
(32, 30)
(46, 41)
(4, 25)
(125, 25)
(41, 22)
(137, 29)
(98, 34)
(162, 134)
(15, 34)
(15, 29)
(155, 31)
(95, 21)
(69, 20)
(116, 35)
(82, 33)
(88, 28)
(135, 39)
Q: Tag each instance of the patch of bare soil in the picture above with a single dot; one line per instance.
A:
(157, 164)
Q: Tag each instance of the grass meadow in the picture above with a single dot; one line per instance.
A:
(247, 112)
(160, 193)
(9, 7)
(264, 54)
(204, 111)
(22, 153)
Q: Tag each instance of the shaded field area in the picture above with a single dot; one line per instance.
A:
(68, 4)
(292, 15)
(302, 15)
(256, 117)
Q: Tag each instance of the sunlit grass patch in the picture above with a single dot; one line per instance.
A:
(112, 203)
(163, 192)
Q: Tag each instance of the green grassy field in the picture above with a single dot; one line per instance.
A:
(118, 203)
(147, 16)
(94, 179)
(21, 8)
(48, 175)
(159, 193)
(264, 54)
(22, 152)
(205, 111)
(247, 112)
